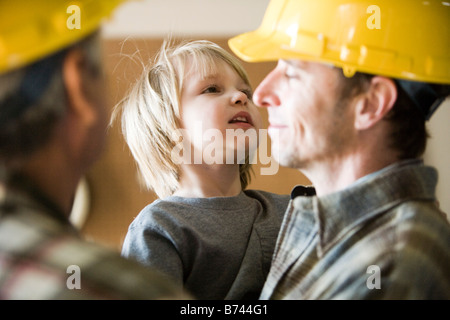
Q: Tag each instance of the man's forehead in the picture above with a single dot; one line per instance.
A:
(304, 64)
(295, 63)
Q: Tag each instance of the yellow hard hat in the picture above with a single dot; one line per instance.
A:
(404, 39)
(31, 29)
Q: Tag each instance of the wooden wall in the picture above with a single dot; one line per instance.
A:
(116, 196)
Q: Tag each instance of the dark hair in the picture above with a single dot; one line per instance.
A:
(408, 134)
(408, 127)
(22, 132)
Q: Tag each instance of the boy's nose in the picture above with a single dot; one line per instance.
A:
(240, 98)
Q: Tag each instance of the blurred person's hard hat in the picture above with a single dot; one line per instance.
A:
(31, 29)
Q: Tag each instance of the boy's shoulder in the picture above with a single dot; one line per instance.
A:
(166, 212)
(268, 196)
(158, 209)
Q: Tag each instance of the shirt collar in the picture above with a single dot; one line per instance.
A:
(344, 211)
(18, 190)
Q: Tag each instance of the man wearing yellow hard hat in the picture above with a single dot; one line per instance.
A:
(347, 104)
(52, 126)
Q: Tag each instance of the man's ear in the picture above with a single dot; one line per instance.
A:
(375, 103)
(78, 102)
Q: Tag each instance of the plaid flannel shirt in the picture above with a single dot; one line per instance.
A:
(43, 257)
(382, 238)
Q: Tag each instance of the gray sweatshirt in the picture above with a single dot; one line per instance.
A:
(217, 248)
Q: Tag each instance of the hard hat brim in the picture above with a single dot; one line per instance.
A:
(256, 47)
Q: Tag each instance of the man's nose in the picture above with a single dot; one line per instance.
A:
(265, 95)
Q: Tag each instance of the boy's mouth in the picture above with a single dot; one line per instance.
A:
(242, 117)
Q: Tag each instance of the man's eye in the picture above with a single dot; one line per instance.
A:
(291, 75)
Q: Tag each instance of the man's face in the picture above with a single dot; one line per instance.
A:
(308, 121)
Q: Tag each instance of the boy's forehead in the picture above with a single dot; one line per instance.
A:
(210, 76)
(208, 67)
(205, 67)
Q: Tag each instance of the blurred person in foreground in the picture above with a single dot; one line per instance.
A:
(52, 128)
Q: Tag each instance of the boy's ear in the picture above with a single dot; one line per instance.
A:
(376, 102)
(74, 79)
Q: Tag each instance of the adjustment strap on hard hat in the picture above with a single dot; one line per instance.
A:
(34, 83)
(422, 95)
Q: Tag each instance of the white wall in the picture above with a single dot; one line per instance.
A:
(438, 152)
(158, 18)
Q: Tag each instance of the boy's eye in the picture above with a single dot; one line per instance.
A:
(248, 93)
(211, 89)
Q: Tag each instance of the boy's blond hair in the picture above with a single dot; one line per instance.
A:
(151, 111)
